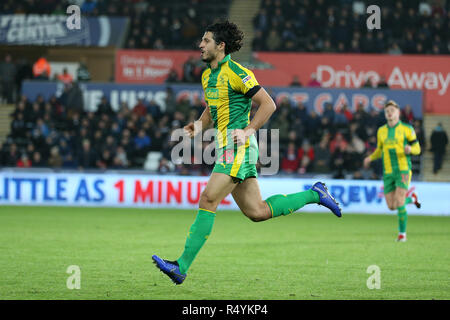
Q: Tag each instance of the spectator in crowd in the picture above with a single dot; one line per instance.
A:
(83, 74)
(407, 114)
(38, 161)
(10, 155)
(306, 157)
(42, 69)
(258, 42)
(104, 107)
(24, 72)
(172, 77)
(142, 143)
(188, 70)
(290, 161)
(313, 81)
(382, 84)
(347, 113)
(295, 81)
(18, 126)
(322, 156)
(301, 112)
(273, 41)
(105, 160)
(88, 6)
(170, 101)
(340, 158)
(55, 160)
(8, 73)
(329, 113)
(87, 157)
(164, 166)
(154, 110)
(24, 161)
(121, 158)
(439, 141)
(65, 77)
(140, 109)
(338, 142)
(74, 99)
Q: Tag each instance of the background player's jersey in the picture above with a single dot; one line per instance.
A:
(391, 147)
(228, 92)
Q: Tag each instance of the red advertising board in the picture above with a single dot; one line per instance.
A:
(423, 72)
(149, 66)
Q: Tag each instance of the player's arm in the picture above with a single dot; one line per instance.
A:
(194, 128)
(413, 146)
(377, 152)
(266, 108)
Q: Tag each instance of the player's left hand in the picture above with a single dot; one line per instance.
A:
(407, 149)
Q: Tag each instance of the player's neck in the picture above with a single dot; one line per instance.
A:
(393, 124)
(215, 63)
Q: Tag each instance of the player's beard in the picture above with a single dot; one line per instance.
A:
(207, 57)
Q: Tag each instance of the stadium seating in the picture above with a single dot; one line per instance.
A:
(413, 27)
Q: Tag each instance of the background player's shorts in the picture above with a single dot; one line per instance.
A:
(239, 162)
(398, 179)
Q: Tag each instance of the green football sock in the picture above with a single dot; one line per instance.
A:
(198, 234)
(402, 219)
(408, 200)
(282, 204)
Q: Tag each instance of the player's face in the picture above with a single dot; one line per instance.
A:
(392, 114)
(208, 47)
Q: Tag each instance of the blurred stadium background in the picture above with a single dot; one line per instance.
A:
(117, 87)
(86, 114)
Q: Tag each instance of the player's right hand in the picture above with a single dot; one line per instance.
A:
(189, 130)
(367, 161)
(193, 128)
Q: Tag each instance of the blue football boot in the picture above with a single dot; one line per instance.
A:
(170, 268)
(326, 199)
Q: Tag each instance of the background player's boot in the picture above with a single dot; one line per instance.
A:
(401, 237)
(415, 200)
(326, 199)
(170, 268)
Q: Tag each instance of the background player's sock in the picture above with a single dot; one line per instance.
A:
(408, 200)
(402, 219)
(198, 233)
(282, 204)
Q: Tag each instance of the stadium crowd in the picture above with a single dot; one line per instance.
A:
(412, 27)
(56, 134)
(153, 24)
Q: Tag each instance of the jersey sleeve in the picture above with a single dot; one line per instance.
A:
(243, 80)
(412, 140)
(378, 151)
(205, 84)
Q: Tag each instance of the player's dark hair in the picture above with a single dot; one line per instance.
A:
(228, 33)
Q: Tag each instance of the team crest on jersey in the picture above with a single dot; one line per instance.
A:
(223, 79)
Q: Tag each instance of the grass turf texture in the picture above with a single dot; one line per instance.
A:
(301, 256)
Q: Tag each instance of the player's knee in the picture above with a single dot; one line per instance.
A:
(207, 201)
(255, 216)
(391, 204)
(258, 214)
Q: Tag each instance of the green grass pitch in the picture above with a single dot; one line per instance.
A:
(301, 256)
